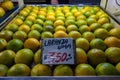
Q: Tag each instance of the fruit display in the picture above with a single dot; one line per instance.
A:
(5, 7)
(97, 41)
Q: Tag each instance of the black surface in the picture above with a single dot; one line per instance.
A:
(8, 14)
(63, 78)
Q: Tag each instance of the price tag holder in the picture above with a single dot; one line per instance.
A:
(58, 51)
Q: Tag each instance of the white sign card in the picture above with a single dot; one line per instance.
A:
(58, 51)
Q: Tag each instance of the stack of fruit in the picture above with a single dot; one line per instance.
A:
(97, 41)
(5, 6)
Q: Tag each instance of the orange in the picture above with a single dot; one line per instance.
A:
(92, 11)
(28, 22)
(24, 28)
(113, 54)
(19, 70)
(3, 70)
(39, 21)
(104, 15)
(115, 32)
(60, 34)
(34, 34)
(94, 26)
(58, 28)
(24, 56)
(6, 34)
(70, 22)
(2, 12)
(50, 17)
(3, 44)
(33, 13)
(58, 22)
(74, 34)
(81, 22)
(93, 16)
(98, 43)
(70, 17)
(20, 35)
(101, 33)
(77, 14)
(62, 70)
(72, 28)
(48, 22)
(83, 28)
(23, 13)
(42, 17)
(83, 17)
(32, 44)
(90, 20)
(106, 69)
(31, 18)
(118, 67)
(99, 13)
(96, 56)
(59, 14)
(26, 9)
(82, 43)
(42, 13)
(68, 14)
(50, 13)
(87, 13)
(60, 18)
(96, 8)
(37, 56)
(12, 27)
(7, 5)
(21, 17)
(46, 34)
(81, 56)
(84, 70)
(112, 41)
(37, 27)
(18, 21)
(108, 26)
(103, 20)
(15, 45)
(66, 10)
(41, 70)
(48, 28)
(88, 35)
(9, 61)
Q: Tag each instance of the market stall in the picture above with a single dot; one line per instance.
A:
(57, 42)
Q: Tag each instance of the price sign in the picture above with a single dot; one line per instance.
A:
(58, 51)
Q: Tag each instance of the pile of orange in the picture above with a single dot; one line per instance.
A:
(97, 41)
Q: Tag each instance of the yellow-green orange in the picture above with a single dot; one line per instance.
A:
(62, 70)
(82, 43)
(41, 70)
(81, 56)
(98, 43)
(96, 56)
(106, 69)
(6, 34)
(84, 70)
(10, 57)
(19, 70)
(32, 44)
(37, 57)
(3, 70)
(113, 54)
(15, 45)
(3, 44)
(20, 35)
